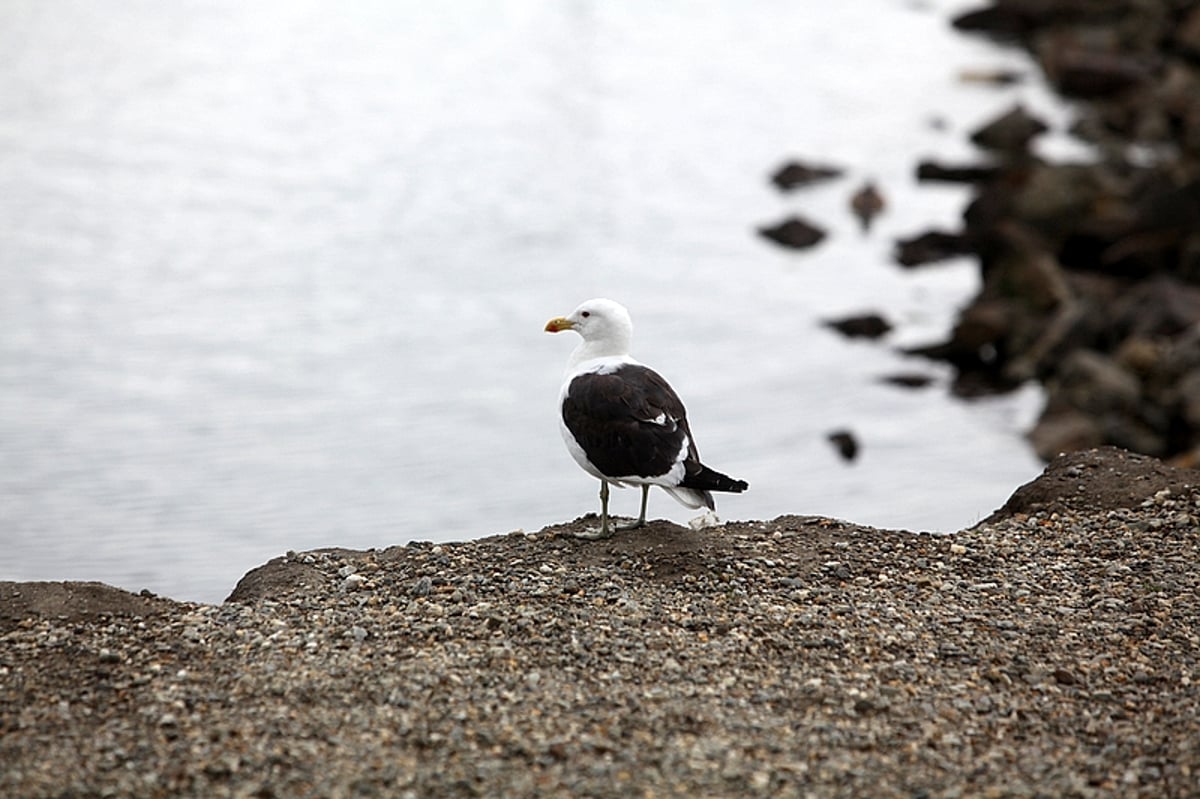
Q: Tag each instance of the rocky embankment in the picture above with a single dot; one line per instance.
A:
(1052, 650)
(1091, 271)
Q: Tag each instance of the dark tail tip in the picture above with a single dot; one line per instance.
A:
(711, 480)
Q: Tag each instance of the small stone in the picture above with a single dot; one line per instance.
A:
(1065, 677)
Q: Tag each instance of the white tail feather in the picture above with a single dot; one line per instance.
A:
(691, 498)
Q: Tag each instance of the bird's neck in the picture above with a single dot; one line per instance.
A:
(604, 349)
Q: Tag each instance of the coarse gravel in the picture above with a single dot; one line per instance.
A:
(1052, 650)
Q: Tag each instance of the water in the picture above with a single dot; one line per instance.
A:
(273, 275)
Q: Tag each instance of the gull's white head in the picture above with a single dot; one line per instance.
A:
(604, 325)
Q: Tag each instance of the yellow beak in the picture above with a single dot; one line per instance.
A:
(558, 324)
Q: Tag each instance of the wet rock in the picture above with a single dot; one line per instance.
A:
(1063, 430)
(1084, 73)
(1163, 223)
(794, 233)
(992, 77)
(1023, 317)
(795, 174)
(908, 380)
(1092, 399)
(974, 173)
(1159, 307)
(1054, 199)
(867, 203)
(1187, 35)
(870, 325)
(1090, 271)
(1141, 356)
(931, 246)
(1017, 265)
(1011, 131)
(845, 442)
(1094, 383)
(1005, 19)
(1189, 398)
(1020, 19)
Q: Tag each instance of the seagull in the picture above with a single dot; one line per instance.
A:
(623, 423)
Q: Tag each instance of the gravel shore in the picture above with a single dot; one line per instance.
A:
(1052, 650)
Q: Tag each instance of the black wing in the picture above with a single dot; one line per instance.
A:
(629, 422)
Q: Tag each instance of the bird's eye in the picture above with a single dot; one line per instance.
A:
(586, 314)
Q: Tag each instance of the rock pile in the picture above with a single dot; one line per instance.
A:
(1091, 271)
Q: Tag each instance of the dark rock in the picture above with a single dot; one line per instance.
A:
(1017, 265)
(794, 174)
(1186, 36)
(978, 349)
(1085, 73)
(1159, 231)
(845, 443)
(908, 380)
(1092, 386)
(933, 245)
(992, 77)
(933, 171)
(996, 20)
(1052, 199)
(1159, 307)
(1094, 383)
(1182, 354)
(867, 203)
(1020, 19)
(1011, 131)
(1019, 320)
(793, 232)
(1140, 355)
(1189, 398)
(861, 326)
(981, 330)
(1062, 431)
(1090, 271)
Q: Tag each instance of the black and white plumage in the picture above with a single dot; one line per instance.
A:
(622, 422)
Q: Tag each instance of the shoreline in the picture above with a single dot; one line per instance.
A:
(1052, 649)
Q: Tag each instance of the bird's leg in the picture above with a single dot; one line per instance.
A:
(604, 531)
(641, 519)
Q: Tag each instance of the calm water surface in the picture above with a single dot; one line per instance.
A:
(273, 275)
